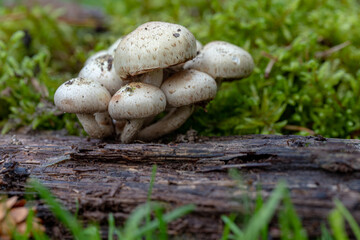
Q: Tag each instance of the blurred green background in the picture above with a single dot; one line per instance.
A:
(307, 56)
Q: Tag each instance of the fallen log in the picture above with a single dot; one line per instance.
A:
(106, 177)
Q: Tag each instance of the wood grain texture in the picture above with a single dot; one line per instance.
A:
(105, 176)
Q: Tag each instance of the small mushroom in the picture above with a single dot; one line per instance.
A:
(135, 102)
(89, 100)
(152, 46)
(179, 67)
(95, 55)
(111, 50)
(182, 91)
(101, 70)
(222, 60)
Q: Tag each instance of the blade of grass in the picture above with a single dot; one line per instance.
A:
(325, 234)
(290, 224)
(171, 216)
(232, 226)
(58, 210)
(349, 218)
(264, 215)
(111, 226)
(337, 225)
(151, 185)
(162, 224)
(227, 229)
(258, 205)
(135, 219)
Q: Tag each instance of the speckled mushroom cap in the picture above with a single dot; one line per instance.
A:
(222, 60)
(188, 87)
(153, 45)
(137, 100)
(80, 95)
(101, 70)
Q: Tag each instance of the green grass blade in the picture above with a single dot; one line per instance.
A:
(229, 223)
(226, 231)
(162, 224)
(152, 180)
(325, 234)
(135, 219)
(151, 185)
(337, 225)
(349, 218)
(290, 224)
(171, 216)
(58, 210)
(259, 203)
(264, 215)
(111, 231)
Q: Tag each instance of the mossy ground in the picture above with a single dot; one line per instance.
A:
(312, 87)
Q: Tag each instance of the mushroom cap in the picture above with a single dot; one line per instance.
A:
(80, 95)
(96, 55)
(189, 87)
(137, 100)
(101, 70)
(199, 46)
(153, 45)
(222, 60)
(111, 50)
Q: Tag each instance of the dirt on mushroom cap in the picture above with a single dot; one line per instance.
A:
(222, 60)
(188, 87)
(137, 100)
(153, 45)
(80, 95)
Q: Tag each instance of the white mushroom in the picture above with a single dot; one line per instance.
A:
(89, 100)
(152, 46)
(111, 50)
(95, 55)
(179, 67)
(135, 102)
(101, 69)
(182, 91)
(222, 60)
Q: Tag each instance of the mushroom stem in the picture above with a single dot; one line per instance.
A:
(131, 129)
(91, 126)
(219, 81)
(154, 77)
(105, 124)
(172, 121)
(119, 126)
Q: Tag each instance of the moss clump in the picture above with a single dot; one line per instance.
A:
(313, 46)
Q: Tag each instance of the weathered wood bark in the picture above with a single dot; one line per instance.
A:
(108, 177)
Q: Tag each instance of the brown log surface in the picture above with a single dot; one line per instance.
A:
(105, 176)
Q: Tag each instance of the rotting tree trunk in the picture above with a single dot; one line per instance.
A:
(108, 177)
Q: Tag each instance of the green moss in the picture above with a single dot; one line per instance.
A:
(317, 92)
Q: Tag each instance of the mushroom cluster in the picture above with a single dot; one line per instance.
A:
(158, 67)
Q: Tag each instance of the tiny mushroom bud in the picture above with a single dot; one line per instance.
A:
(135, 102)
(179, 67)
(199, 46)
(111, 50)
(152, 46)
(89, 100)
(222, 60)
(95, 55)
(182, 90)
(101, 69)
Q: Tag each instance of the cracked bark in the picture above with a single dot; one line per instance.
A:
(105, 176)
